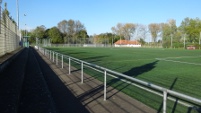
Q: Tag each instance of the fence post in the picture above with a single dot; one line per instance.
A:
(69, 66)
(50, 55)
(57, 58)
(105, 85)
(164, 101)
(62, 61)
(53, 56)
(82, 72)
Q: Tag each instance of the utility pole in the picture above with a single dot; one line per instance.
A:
(0, 15)
(184, 40)
(171, 40)
(199, 40)
(17, 4)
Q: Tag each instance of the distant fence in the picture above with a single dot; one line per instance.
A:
(9, 34)
(149, 87)
(95, 45)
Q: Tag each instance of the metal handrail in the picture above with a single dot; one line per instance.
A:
(106, 71)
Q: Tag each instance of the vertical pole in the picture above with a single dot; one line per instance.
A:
(69, 66)
(199, 40)
(17, 3)
(184, 41)
(57, 59)
(105, 85)
(62, 61)
(53, 56)
(82, 73)
(164, 101)
(171, 40)
(50, 54)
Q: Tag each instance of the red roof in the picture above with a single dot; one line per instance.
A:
(127, 42)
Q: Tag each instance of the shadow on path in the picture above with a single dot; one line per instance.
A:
(63, 98)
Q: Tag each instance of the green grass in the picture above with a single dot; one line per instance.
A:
(178, 70)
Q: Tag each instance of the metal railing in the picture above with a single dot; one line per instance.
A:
(9, 34)
(54, 56)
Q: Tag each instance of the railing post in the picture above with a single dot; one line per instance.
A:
(82, 73)
(50, 55)
(164, 101)
(57, 58)
(105, 85)
(69, 66)
(53, 56)
(62, 61)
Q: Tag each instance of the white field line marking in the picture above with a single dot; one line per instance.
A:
(130, 60)
(178, 61)
(181, 57)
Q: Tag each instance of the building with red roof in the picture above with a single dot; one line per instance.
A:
(127, 43)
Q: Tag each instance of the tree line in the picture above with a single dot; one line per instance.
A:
(166, 34)
(67, 31)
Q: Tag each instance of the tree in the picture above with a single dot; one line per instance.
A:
(39, 32)
(169, 33)
(5, 14)
(141, 32)
(55, 35)
(191, 27)
(154, 29)
(82, 36)
(70, 29)
(106, 38)
(126, 30)
(62, 26)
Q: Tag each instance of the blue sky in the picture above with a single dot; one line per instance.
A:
(99, 16)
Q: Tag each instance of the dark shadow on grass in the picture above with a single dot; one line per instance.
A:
(194, 110)
(117, 87)
(136, 71)
(94, 59)
(176, 102)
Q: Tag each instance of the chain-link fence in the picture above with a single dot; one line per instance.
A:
(9, 34)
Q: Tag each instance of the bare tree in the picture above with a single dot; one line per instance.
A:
(154, 29)
(62, 26)
(141, 31)
(125, 30)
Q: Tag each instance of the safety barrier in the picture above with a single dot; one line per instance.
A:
(54, 56)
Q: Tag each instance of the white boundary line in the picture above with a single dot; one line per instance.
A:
(182, 57)
(198, 64)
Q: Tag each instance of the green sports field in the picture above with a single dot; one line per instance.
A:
(179, 70)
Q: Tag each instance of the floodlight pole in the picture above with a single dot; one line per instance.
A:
(184, 40)
(0, 15)
(171, 40)
(17, 4)
(199, 40)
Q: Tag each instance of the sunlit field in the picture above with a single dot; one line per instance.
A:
(178, 70)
